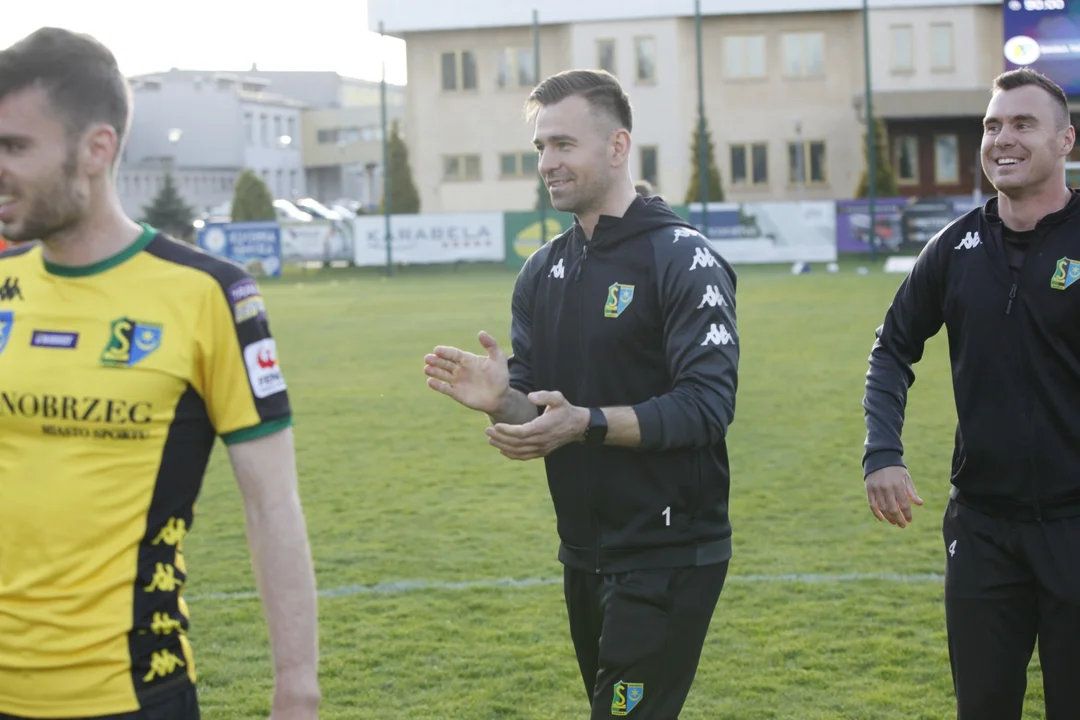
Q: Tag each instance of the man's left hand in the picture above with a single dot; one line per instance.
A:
(561, 424)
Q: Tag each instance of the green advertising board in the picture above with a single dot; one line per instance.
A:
(522, 231)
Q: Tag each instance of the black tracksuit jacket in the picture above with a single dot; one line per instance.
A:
(642, 315)
(1014, 343)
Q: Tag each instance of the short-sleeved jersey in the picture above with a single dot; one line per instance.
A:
(115, 381)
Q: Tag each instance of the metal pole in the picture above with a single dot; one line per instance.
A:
(385, 155)
(541, 201)
(703, 159)
(871, 170)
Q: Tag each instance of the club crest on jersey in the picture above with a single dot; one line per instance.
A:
(7, 320)
(619, 296)
(130, 342)
(1067, 272)
(626, 697)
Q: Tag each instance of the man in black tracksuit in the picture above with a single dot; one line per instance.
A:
(1004, 279)
(623, 378)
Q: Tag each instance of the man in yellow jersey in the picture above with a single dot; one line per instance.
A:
(123, 356)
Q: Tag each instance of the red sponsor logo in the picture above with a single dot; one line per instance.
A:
(266, 359)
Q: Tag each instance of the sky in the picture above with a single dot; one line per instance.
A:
(219, 34)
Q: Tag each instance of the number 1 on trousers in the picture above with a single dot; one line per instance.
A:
(667, 516)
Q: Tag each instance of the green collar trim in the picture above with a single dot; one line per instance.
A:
(148, 234)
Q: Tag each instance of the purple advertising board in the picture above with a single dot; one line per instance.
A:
(902, 225)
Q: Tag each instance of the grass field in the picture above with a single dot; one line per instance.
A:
(400, 485)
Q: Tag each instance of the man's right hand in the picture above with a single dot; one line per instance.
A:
(890, 493)
(477, 382)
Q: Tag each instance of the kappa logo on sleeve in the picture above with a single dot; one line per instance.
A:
(683, 232)
(263, 371)
(703, 259)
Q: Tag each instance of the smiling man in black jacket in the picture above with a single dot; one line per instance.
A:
(623, 378)
(1001, 279)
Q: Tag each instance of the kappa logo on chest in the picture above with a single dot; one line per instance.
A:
(9, 290)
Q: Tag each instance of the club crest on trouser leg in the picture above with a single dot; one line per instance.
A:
(619, 296)
(625, 697)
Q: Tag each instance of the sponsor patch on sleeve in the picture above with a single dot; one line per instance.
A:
(246, 301)
(262, 368)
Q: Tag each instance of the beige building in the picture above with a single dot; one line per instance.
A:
(784, 91)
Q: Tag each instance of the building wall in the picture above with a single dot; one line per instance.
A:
(201, 188)
(772, 107)
(207, 114)
(280, 164)
(484, 121)
(661, 105)
(401, 18)
(209, 122)
(338, 136)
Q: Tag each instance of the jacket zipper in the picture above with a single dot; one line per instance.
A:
(581, 264)
(1030, 404)
(581, 393)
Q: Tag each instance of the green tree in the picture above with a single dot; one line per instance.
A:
(252, 199)
(403, 195)
(716, 190)
(885, 184)
(168, 212)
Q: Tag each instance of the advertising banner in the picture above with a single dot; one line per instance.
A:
(522, 230)
(255, 245)
(316, 241)
(430, 238)
(902, 225)
(768, 232)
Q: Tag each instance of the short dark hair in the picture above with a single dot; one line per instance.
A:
(599, 87)
(79, 75)
(1022, 77)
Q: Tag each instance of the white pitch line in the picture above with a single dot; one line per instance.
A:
(405, 586)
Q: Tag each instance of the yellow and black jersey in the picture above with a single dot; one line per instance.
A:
(115, 381)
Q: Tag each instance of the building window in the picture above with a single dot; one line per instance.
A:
(264, 131)
(941, 47)
(461, 167)
(902, 49)
(517, 68)
(327, 137)
(750, 164)
(804, 54)
(650, 165)
(277, 127)
(645, 60)
(249, 128)
(744, 56)
(458, 70)
(605, 55)
(946, 160)
(806, 162)
(292, 128)
(518, 165)
(906, 159)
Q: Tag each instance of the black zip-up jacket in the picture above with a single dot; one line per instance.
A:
(642, 315)
(1014, 343)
